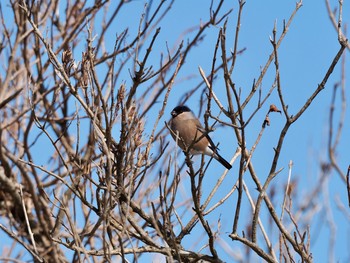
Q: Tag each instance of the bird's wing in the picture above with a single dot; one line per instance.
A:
(202, 130)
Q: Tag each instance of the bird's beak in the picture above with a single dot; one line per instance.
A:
(173, 113)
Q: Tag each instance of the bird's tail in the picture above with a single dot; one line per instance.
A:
(221, 160)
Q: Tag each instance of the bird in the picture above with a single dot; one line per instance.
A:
(190, 135)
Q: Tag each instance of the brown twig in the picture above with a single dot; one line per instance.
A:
(348, 184)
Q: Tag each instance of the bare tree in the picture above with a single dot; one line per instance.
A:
(84, 177)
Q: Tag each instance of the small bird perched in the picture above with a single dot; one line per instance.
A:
(188, 132)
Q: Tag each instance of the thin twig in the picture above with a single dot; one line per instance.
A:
(348, 183)
(31, 235)
(290, 165)
(19, 240)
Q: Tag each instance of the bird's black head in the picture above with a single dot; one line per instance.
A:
(179, 109)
